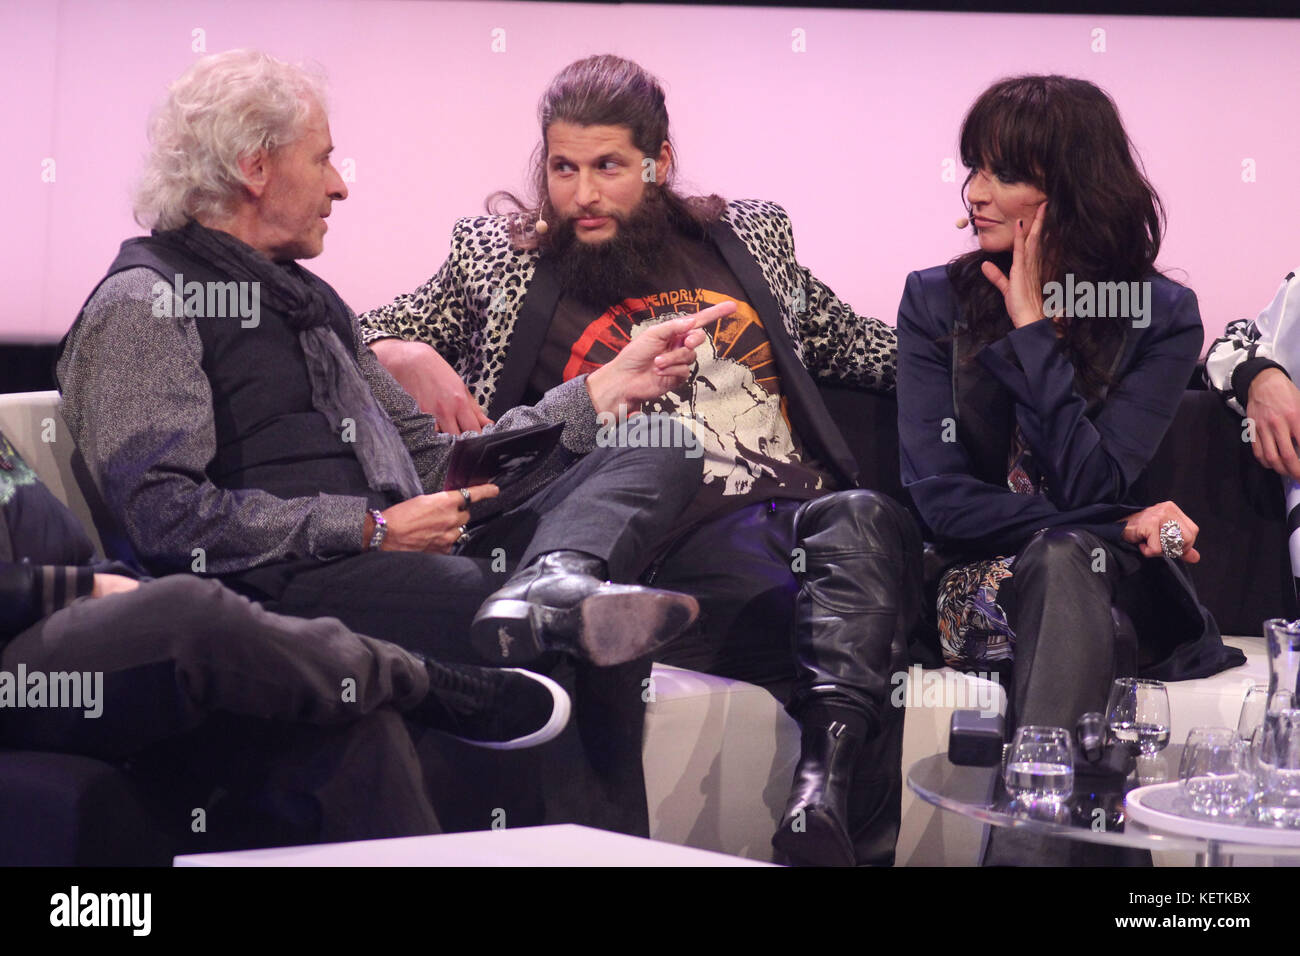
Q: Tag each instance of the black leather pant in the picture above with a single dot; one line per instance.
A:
(859, 597)
(1071, 643)
(836, 580)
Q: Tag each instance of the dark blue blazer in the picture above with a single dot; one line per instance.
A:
(1090, 454)
(956, 420)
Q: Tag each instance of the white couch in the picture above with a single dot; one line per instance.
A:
(718, 753)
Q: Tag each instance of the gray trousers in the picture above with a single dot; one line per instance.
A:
(280, 729)
(614, 503)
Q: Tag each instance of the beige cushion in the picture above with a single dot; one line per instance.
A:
(719, 755)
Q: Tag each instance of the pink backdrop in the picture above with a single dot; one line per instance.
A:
(850, 135)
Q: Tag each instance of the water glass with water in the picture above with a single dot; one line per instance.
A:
(1138, 713)
(1039, 765)
(1213, 772)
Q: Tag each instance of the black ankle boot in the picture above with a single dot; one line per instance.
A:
(814, 830)
(561, 602)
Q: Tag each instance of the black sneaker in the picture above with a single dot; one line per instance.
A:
(495, 708)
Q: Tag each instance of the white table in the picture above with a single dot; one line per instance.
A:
(560, 845)
(1159, 808)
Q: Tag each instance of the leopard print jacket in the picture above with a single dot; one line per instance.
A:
(467, 311)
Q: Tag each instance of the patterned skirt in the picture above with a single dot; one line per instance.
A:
(973, 630)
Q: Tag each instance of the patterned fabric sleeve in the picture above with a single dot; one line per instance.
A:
(1239, 341)
(468, 309)
(837, 344)
(1248, 347)
(843, 346)
(437, 312)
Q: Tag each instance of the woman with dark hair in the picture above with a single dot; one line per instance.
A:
(1037, 375)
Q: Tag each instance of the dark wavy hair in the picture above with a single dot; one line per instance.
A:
(603, 91)
(1103, 222)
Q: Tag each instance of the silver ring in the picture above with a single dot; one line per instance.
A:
(463, 536)
(1171, 539)
(464, 493)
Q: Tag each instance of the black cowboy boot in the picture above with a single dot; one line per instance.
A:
(562, 602)
(860, 596)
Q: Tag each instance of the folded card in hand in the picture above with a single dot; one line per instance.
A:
(500, 458)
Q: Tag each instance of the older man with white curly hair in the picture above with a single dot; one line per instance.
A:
(236, 426)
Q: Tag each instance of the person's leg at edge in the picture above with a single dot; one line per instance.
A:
(180, 655)
(173, 653)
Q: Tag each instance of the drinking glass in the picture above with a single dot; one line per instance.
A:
(1276, 754)
(1213, 772)
(1254, 704)
(1138, 713)
(1040, 765)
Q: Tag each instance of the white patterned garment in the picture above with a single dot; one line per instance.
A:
(1274, 334)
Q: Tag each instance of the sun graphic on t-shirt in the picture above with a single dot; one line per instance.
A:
(738, 337)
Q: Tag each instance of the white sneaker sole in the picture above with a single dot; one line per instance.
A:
(560, 710)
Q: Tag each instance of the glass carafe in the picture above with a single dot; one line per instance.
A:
(1283, 639)
(1276, 748)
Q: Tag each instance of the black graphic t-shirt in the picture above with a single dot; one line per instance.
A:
(732, 401)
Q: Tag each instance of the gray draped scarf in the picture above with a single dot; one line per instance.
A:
(338, 390)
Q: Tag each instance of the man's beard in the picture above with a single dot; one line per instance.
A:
(602, 274)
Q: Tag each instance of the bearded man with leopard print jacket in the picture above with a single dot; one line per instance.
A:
(780, 544)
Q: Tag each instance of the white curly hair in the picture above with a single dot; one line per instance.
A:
(224, 107)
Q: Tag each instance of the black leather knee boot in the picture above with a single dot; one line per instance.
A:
(859, 598)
